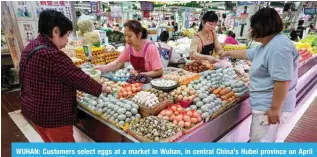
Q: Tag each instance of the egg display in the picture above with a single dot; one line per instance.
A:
(162, 96)
(196, 67)
(146, 99)
(121, 75)
(155, 129)
(163, 83)
(206, 106)
(181, 76)
(129, 90)
(184, 93)
(238, 87)
(110, 85)
(242, 70)
(180, 117)
(119, 111)
(225, 94)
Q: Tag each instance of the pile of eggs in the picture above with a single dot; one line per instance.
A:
(184, 93)
(146, 99)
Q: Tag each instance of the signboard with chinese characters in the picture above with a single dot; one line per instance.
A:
(61, 6)
(28, 30)
(23, 10)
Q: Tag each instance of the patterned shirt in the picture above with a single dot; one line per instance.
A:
(50, 83)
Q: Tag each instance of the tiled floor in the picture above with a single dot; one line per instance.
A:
(9, 130)
(306, 128)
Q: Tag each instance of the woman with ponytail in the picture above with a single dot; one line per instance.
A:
(205, 42)
(140, 52)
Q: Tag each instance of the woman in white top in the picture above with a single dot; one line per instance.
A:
(168, 54)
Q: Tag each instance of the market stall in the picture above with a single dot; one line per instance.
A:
(211, 124)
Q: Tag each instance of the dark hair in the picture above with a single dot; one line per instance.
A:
(209, 16)
(50, 19)
(164, 36)
(300, 22)
(136, 28)
(117, 25)
(230, 33)
(265, 22)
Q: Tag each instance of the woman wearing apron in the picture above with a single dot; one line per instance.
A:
(205, 42)
(142, 53)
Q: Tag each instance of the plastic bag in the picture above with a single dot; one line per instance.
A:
(85, 24)
(91, 38)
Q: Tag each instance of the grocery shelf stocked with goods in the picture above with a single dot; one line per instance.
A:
(200, 103)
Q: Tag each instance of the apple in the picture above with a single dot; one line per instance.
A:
(303, 49)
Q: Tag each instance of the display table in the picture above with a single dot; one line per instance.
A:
(211, 131)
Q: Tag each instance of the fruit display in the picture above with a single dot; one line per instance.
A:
(129, 90)
(77, 61)
(196, 67)
(119, 111)
(184, 93)
(234, 47)
(181, 76)
(206, 106)
(304, 55)
(311, 40)
(238, 87)
(146, 99)
(139, 78)
(162, 96)
(189, 32)
(121, 75)
(180, 117)
(152, 128)
(79, 53)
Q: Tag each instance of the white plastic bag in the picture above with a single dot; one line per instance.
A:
(85, 24)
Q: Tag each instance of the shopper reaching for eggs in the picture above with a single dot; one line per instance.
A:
(273, 73)
(140, 52)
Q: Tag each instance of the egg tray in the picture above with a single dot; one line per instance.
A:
(145, 111)
(141, 138)
(165, 89)
(125, 127)
(91, 111)
(193, 128)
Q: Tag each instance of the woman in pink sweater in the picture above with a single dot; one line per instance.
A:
(231, 38)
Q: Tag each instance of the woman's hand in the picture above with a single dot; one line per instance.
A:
(101, 68)
(132, 71)
(212, 59)
(224, 54)
(273, 116)
(106, 89)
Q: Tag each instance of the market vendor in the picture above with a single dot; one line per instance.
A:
(205, 42)
(273, 75)
(140, 52)
(49, 80)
